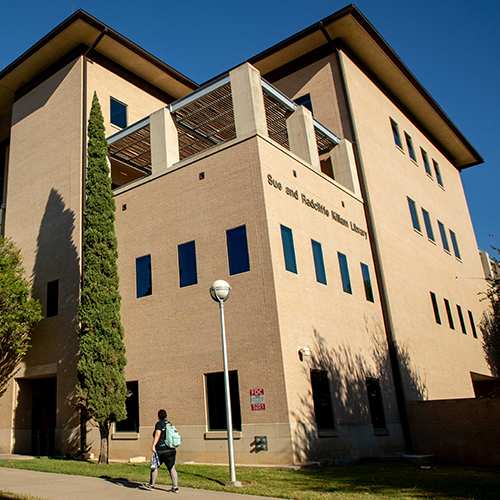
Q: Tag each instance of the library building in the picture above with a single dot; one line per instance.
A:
(319, 179)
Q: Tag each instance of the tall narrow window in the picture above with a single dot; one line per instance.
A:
(216, 401)
(435, 308)
(428, 225)
(288, 249)
(438, 172)
(344, 273)
(425, 159)
(461, 318)
(395, 133)
(444, 238)
(131, 423)
(375, 403)
(188, 274)
(367, 282)
(454, 243)
(448, 313)
(411, 150)
(118, 113)
(237, 250)
(143, 276)
(319, 265)
(472, 325)
(414, 215)
(322, 399)
(52, 298)
(304, 100)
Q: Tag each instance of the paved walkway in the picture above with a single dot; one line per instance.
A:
(65, 487)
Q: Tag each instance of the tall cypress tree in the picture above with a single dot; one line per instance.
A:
(102, 388)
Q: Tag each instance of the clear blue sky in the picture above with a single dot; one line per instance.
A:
(451, 46)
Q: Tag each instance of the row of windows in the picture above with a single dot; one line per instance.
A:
(216, 402)
(413, 156)
(449, 315)
(319, 265)
(237, 253)
(429, 230)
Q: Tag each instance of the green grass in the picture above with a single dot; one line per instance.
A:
(391, 480)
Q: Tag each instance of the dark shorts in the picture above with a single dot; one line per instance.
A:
(167, 456)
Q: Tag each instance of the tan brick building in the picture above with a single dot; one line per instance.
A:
(342, 232)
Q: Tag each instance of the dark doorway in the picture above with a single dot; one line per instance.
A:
(43, 416)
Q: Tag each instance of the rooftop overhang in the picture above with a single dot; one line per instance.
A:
(350, 31)
(81, 29)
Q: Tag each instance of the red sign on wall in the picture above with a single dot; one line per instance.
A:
(257, 399)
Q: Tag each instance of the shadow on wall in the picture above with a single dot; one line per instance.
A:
(54, 352)
(348, 371)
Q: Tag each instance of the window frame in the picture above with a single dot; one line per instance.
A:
(375, 403)
(427, 165)
(454, 244)
(461, 319)
(186, 254)
(428, 225)
(344, 273)
(411, 148)
(322, 402)
(288, 249)
(414, 215)
(449, 314)
(216, 396)
(237, 250)
(52, 306)
(139, 267)
(133, 410)
(472, 324)
(435, 307)
(112, 115)
(396, 135)
(365, 273)
(319, 263)
(306, 101)
(437, 170)
(444, 238)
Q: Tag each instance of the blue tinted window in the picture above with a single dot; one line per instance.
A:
(319, 265)
(472, 325)
(409, 143)
(454, 242)
(414, 215)
(118, 113)
(304, 100)
(344, 273)
(187, 264)
(237, 250)
(428, 225)
(438, 173)
(288, 249)
(448, 313)
(435, 308)
(395, 133)
(461, 318)
(444, 238)
(367, 282)
(425, 158)
(143, 275)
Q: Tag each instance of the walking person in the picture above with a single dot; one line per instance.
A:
(166, 455)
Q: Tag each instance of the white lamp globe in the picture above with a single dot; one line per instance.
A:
(220, 291)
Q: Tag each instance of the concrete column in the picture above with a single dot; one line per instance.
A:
(164, 141)
(302, 137)
(344, 166)
(248, 101)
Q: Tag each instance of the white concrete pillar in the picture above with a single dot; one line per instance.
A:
(248, 101)
(164, 141)
(344, 166)
(302, 137)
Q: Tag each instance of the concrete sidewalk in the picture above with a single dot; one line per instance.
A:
(65, 487)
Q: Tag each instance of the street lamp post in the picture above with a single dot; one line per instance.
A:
(220, 291)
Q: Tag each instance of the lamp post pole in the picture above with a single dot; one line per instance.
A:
(220, 292)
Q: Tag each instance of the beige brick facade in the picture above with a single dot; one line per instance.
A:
(249, 179)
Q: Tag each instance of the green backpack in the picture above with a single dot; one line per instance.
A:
(172, 437)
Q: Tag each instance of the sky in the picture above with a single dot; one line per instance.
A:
(451, 46)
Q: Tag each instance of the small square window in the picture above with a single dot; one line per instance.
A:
(435, 308)
(448, 313)
(409, 143)
(438, 173)
(118, 113)
(143, 276)
(425, 159)
(414, 215)
(395, 133)
(52, 298)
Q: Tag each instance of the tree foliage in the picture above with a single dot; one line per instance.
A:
(102, 388)
(19, 312)
(490, 324)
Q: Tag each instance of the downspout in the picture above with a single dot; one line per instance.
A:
(83, 411)
(377, 261)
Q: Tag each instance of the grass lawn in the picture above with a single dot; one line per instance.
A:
(398, 480)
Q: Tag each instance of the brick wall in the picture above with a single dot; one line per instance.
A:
(463, 431)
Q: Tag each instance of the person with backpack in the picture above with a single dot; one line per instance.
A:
(165, 441)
